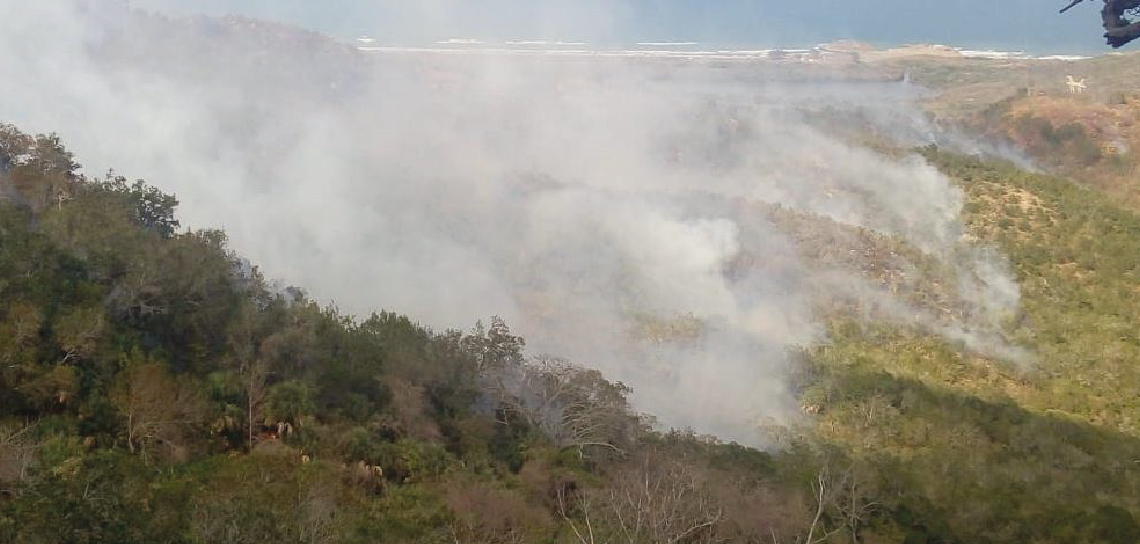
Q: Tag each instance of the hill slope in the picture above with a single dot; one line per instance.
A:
(156, 388)
(1090, 137)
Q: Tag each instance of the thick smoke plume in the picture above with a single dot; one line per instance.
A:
(611, 210)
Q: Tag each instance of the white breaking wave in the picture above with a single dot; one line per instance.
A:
(544, 42)
(459, 41)
(1064, 57)
(520, 49)
(1015, 55)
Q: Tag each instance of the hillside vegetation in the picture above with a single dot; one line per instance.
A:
(1091, 137)
(1091, 141)
(154, 387)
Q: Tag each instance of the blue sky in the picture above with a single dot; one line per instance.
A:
(1013, 24)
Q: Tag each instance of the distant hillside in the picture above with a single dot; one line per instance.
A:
(1091, 137)
(1091, 141)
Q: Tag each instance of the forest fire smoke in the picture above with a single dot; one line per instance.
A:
(600, 207)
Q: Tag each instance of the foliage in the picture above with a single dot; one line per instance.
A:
(972, 449)
(146, 374)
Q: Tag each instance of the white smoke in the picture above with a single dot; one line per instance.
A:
(586, 201)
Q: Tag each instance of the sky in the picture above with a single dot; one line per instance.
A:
(1031, 25)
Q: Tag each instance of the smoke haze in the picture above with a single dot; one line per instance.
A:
(603, 207)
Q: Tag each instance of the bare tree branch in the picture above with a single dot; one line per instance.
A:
(17, 454)
(158, 408)
(1071, 6)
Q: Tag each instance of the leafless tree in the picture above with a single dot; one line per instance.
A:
(254, 379)
(653, 501)
(78, 333)
(315, 511)
(17, 454)
(486, 515)
(854, 506)
(577, 511)
(158, 408)
(24, 322)
(246, 346)
(410, 407)
(839, 495)
(573, 406)
(824, 494)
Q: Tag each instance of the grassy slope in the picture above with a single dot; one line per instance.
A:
(1091, 137)
(996, 452)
